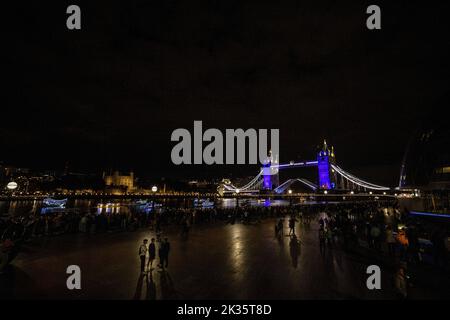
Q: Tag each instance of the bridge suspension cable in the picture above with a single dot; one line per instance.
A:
(253, 183)
(356, 180)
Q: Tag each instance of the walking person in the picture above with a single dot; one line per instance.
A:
(143, 254)
(151, 254)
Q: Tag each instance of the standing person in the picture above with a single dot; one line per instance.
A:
(375, 236)
(401, 283)
(439, 249)
(301, 219)
(321, 239)
(329, 237)
(403, 241)
(390, 240)
(413, 252)
(321, 223)
(151, 254)
(292, 221)
(280, 227)
(142, 254)
(246, 217)
(186, 226)
(158, 227)
(166, 250)
(276, 230)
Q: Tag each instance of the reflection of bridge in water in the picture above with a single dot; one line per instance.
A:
(330, 177)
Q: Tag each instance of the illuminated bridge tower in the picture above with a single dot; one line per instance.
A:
(270, 173)
(327, 176)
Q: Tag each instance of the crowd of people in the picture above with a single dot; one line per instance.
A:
(378, 225)
(149, 250)
(128, 218)
(382, 229)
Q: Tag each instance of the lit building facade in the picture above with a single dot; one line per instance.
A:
(118, 180)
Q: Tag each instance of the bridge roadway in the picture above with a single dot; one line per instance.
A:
(180, 195)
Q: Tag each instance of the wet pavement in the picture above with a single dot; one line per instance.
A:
(219, 261)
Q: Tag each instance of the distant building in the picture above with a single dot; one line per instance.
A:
(118, 180)
(425, 169)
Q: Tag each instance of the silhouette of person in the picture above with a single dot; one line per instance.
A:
(292, 221)
(321, 239)
(151, 254)
(143, 254)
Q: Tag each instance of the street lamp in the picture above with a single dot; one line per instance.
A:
(290, 191)
(325, 192)
(154, 188)
(237, 190)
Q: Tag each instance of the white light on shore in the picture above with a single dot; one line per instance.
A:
(154, 188)
(12, 185)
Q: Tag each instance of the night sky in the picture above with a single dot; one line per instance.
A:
(110, 94)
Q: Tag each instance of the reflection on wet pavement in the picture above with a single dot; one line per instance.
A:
(214, 262)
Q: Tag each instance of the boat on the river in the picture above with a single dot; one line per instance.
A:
(54, 203)
(203, 203)
(146, 203)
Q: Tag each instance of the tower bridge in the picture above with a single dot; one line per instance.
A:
(330, 176)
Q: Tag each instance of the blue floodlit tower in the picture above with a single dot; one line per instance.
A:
(327, 176)
(270, 173)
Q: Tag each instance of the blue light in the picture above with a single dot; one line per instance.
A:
(324, 172)
(267, 182)
(429, 214)
(267, 176)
